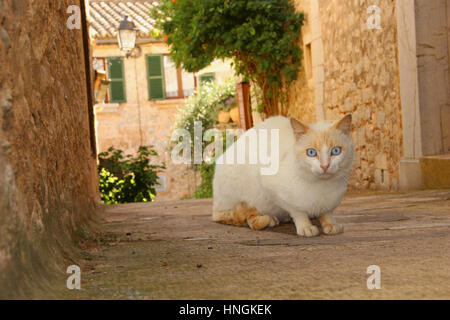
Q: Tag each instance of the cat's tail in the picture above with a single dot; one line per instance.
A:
(242, 216)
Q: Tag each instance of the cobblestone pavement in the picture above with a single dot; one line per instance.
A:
(172, 250)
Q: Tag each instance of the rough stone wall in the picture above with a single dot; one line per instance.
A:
(361, 77)
(48, 181)
(300, 103)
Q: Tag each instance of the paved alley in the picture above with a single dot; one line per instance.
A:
(172, 250)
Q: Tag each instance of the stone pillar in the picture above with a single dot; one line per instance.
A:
(410, 174)
(423, 53)
(433, 72)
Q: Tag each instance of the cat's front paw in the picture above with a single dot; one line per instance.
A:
(332, 229)
(309, 231)
(273, 222)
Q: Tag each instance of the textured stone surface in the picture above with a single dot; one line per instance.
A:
(152, 251)
(300, 103)
(361, 77)
(48, 184)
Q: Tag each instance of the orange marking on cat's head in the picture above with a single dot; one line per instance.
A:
(333, 136)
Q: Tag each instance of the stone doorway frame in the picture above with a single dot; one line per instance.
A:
(423, 57)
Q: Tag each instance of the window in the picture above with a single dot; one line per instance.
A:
(117, 77)
(99, 63)
(155, 77)
(171, 78)
(207, 77)
(166, 81)
(308, 61)
(188, 80)
(162, 186)
(100, 73)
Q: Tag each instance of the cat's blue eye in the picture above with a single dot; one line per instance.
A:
(336, 151)
(311, 153)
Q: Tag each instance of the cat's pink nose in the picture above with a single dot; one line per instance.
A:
(324, 167)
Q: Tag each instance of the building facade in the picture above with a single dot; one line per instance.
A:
(145, 91)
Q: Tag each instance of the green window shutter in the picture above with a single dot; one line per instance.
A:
(117, 76)
(207, 77)
(155, 77)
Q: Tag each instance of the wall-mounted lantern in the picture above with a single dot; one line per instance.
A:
(126, 35)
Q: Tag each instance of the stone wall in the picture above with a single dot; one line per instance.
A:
(301, 92)
(361, 76)
(48, 181)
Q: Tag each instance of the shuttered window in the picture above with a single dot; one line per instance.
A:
(100, 68)
(155, 77)
(117, 76)
(207, 77)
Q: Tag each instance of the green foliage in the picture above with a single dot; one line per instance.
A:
(205, 189)
(205, 105)
(128, 178)
(261, 36)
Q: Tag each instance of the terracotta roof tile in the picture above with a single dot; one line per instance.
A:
(105, 16)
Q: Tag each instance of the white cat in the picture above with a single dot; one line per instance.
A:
(314, 165)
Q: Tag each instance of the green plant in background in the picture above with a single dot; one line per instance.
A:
(129, 178)
(204, 106)
(205, 189)
(261, 36)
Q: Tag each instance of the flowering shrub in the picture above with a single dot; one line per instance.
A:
(204, 106)
(126, 179)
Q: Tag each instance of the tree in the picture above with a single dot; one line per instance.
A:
(261, 36)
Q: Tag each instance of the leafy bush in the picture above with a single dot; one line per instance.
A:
(128, 178)
(205, 189)
(205, 105)
(260, 36)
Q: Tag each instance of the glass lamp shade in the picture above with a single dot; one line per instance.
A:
(127, 35)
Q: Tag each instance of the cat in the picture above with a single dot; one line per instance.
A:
(315, 161)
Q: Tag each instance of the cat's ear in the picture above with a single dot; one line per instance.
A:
(298, 127)
(345, 124)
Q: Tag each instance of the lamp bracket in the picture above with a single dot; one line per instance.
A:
(135, 53)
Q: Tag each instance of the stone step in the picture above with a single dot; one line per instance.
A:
(435, 172)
